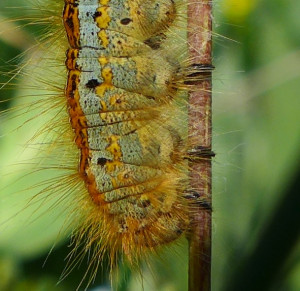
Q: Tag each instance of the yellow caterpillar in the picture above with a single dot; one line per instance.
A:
(116, 124)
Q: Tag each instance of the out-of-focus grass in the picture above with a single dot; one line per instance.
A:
(256, 138)
(257, 127)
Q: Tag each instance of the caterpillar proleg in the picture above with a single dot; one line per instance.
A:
(115, 76)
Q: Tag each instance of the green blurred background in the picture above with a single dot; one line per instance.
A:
(256, 135)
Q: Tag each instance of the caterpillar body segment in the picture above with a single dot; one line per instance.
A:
(119, 94)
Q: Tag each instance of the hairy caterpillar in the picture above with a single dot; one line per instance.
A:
(126, 178)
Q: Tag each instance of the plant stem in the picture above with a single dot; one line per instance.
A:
(200, 46)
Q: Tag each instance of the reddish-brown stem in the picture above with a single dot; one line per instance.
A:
(200, 45)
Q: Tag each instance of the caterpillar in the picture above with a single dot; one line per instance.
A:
(116, 124)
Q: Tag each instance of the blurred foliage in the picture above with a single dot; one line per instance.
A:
(256, 137)
(257, 130)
